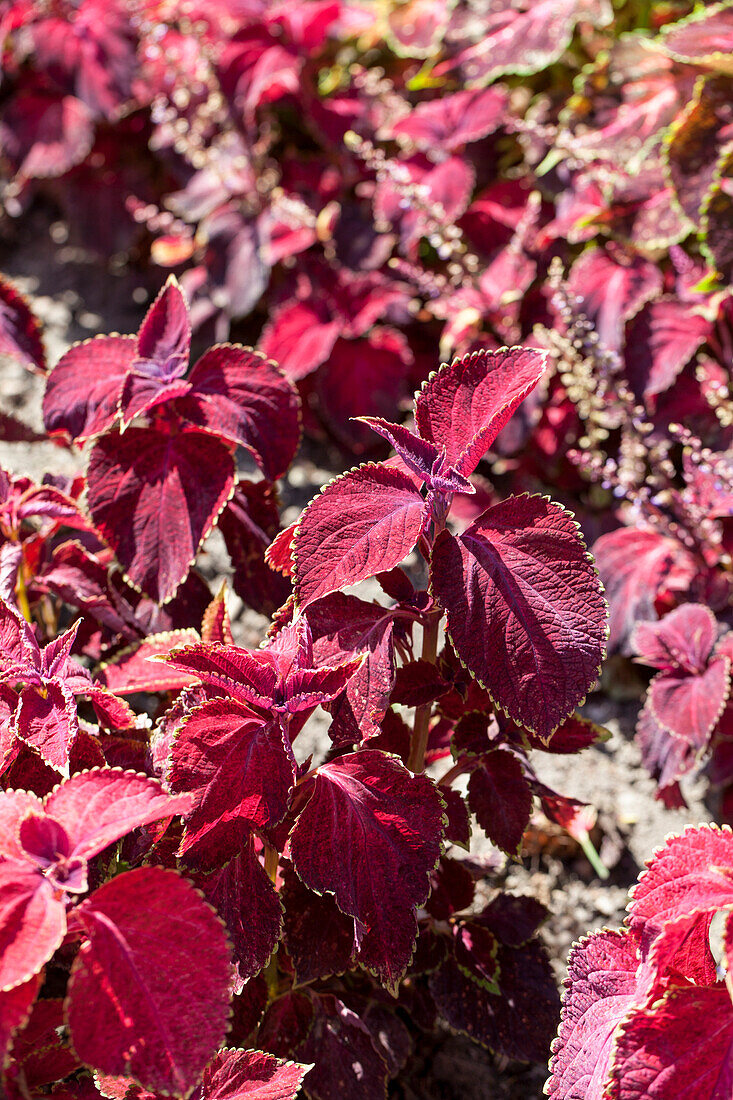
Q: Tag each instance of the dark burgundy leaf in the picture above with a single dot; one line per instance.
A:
(369, 821)
(319, 938)
(525, 609)
(660, 340)
(83, 390)
(500, 797)
(20, 332)
(612, 287)
(155, 497)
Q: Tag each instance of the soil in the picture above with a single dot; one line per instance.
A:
(75, 299)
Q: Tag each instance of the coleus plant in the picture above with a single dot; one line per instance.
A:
(648, 1010)
(161, 467)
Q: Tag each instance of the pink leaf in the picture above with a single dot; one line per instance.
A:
(98, 807)
(681, 1049)
(84, 388)
(237, 766)
(612, 287)
(689, 706)
(48, 723)
(500, 797)
(20, 332)
(683, 639)
(15, 1008)
(126, 1009)
(164, 338)
(466, 404)
(691, 875)
(702, 39)
(251, 1075)
(634, 565)
(238, 394)
(361, 524)
(32, 922)
(45, 135)
(155, 497)
(370, 821)
(300, 337)
(660, 340)
(600, 989)
(525, 610)
(131, 670)
(453, 120)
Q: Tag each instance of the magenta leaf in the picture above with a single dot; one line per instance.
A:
(46, 720)
(691, 875)
(249, 523)
(237, 766)
(500, 797)
(370, 821)
(20, 332)
(15, 1008)
(361, 524)
(682, 640)
(344, 626)
(600, 989)
(682, 1047)
(83, 390)
(634, 565)
(690, 705)
(464, 406)
(612, 287)
(247, 902)
(238, 394)
(300, 337)
(525, 609)
(98, 807)
(660, 340)
(155, 497)
(32, 922)
(131, 670)
(422, 457)
(251, 1075)
(126, 1009)
(452, 120)
(164, 338)
(347, 1061)
(706, 38)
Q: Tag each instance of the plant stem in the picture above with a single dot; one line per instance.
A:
(22, 595)
(272, 857)
(421, 728)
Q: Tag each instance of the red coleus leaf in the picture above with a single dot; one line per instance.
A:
(161, 355)
(237, 766)
(344, 627)
(370, 821)
(41, 1054)
(131, 670)
(347, 1061)
(251, 1075)
(15, 1008)
(83, 390)
(525, 609)
(238, 394)
(425, 459)
(44, 849)
(660, 340)
(600, 989)
(125, 1007)
(20, 332)
(300, 337)
(361, 524)
(518, 1020)
(249, 523)
(247, 902)
(612, 287)
(500, 797)
(453, 120)
(682, 641)
(681, 1047)
(319, 938)
(44, 134)
(47, 721)
(154, 497)
(634, 565)
(464, 406)
(689, 705)
(690, 876)
(32, 922)
(706, 38)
